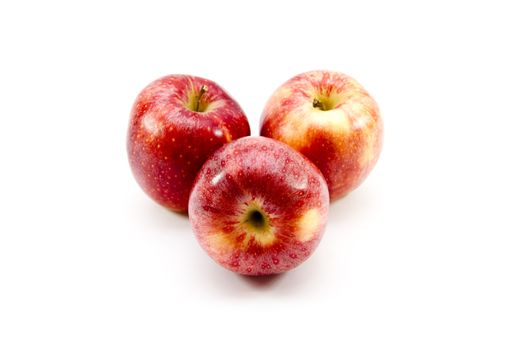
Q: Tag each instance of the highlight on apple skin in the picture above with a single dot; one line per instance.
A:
(176, 123)
(333, 121)
(258, 207)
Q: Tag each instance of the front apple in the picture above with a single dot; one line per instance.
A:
(258, 207)
(176, 123)
(333, 121)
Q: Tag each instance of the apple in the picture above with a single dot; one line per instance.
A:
(258, 207)
(333, 121)
(176, 123)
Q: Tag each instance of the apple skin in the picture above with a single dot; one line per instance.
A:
(258, 207)
(333, 121)
(174, 127)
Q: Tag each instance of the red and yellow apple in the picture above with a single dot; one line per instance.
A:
(333, 121)
(258, 207)
(176, 123)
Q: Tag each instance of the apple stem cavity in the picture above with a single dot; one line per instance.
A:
(203, 90)
(256, 219)
(318, 104)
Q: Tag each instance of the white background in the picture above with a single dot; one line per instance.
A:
(429, 253)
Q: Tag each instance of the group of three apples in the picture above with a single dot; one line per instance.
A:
(258, 205)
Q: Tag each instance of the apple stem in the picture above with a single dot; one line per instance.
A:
(202, 91)
(318, 104)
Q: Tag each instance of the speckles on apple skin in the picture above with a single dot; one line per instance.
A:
(168, 143)
(251, 169)
(344, 143)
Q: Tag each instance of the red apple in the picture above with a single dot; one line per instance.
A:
(333, 121)
(258, 207)
(176, 123)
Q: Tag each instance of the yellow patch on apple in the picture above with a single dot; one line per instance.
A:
(308, 224)
(335, 122)
(219, 242)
